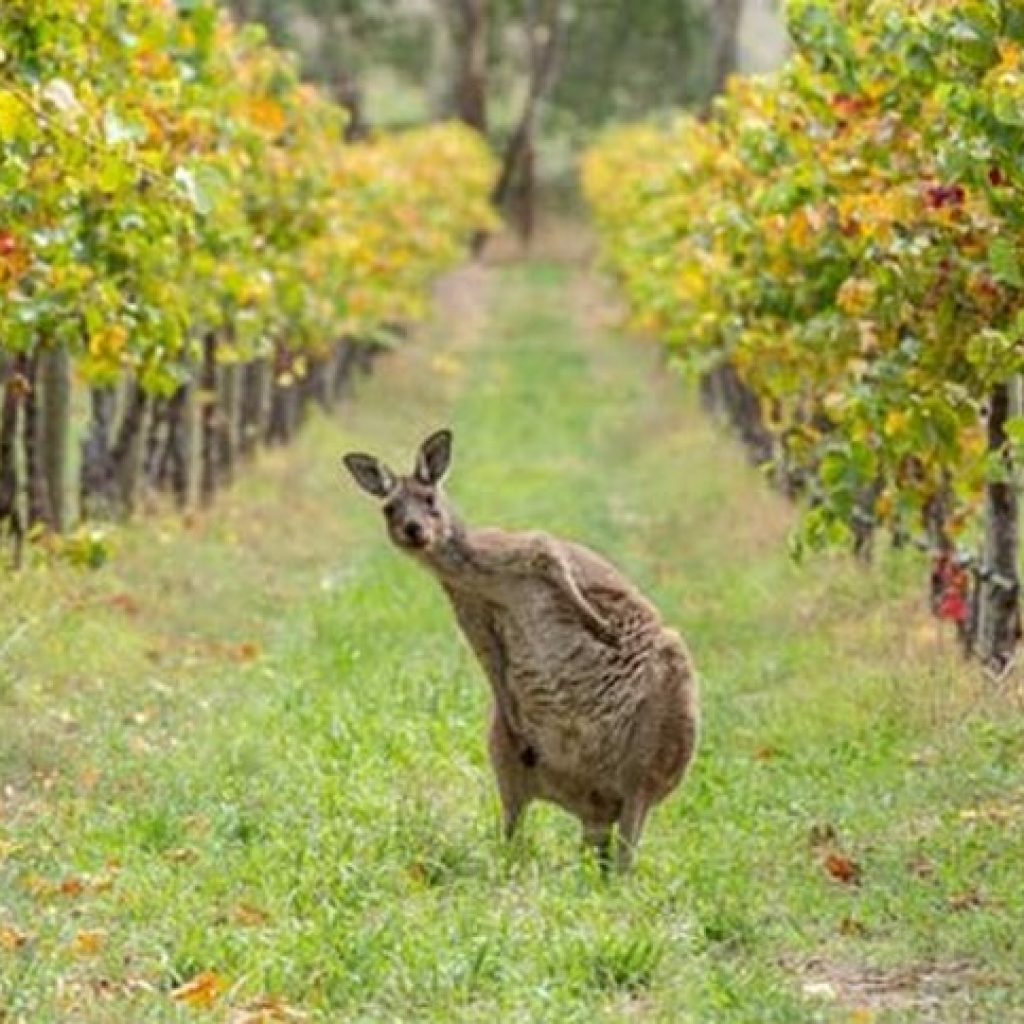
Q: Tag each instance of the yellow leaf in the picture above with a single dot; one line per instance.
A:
(202, 991)
(11, 939)
(88, 943)
(895, 422)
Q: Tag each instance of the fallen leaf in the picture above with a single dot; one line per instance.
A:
(248, 916)
(247, 652)
(11, 939)
(266, 1011)
(88, 943)
(39, 887)
(72, 887)
(862, 1015)
(766, 753)
(201, 992)
(843, 869)
(125, 603)
(181, 855)
(969, 899)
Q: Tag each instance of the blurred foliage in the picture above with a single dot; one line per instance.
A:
(165, 174)
(620, 58)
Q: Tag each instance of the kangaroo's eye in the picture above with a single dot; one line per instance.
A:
(431, 502)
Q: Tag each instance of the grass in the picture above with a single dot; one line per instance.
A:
(253, 744)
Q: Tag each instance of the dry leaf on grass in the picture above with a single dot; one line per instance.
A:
(88, 942)
(969, 899)
(125, 603)
(267, 1011)
(202, 991)
(11, 939)
(247, 651)
(843, 869)
(248, 916)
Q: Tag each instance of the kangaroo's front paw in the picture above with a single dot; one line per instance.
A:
(604, 631)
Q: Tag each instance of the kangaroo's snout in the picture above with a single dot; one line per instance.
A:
(415, 534)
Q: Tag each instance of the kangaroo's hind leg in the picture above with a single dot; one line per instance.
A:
(513, 762)
(631, 826)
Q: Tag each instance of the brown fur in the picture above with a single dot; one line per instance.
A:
(595, 701)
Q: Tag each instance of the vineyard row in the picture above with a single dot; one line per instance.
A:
(191, 250)
(836, 251)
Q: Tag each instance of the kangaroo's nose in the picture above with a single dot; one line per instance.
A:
(414, 533)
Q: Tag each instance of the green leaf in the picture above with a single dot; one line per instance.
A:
(1015, 429)
(1002, 258)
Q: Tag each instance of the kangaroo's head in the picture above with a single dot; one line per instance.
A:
(419, 518)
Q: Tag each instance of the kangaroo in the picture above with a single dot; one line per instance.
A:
(595, 704)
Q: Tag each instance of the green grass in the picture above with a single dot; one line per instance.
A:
(257, 742)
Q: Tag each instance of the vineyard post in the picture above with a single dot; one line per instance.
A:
(1000, 597)
(56, 381)
(95, 469)
(10, 390)
(126, 455)
(156, 435)
(251, 406)
(227, 438)
(177, 464)
(208, 420)
(36, 485)
(343, 366)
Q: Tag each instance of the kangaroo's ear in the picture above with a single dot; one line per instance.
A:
(434, 458)
(371, 474)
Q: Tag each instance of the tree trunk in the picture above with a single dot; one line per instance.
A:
(208, 421)
(251, 407)
(343, 366)
(865, 522)
(56, 378)
(468, 20)
(155, 455)
(283, 399)
(544, 30)
(725, 29)
(126, 455)
(227, 441)
(40, 512)
(1000, 597)
(96, 468)
(11, 392)
(175, 469)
